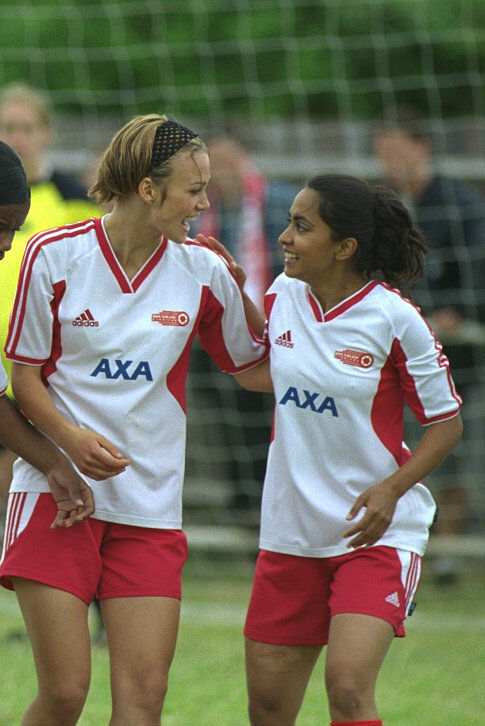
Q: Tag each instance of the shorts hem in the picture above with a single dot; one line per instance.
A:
(399, 631)
(277, 640)
(112, 596)
(6, 582)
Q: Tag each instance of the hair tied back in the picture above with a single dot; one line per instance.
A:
(381, 207)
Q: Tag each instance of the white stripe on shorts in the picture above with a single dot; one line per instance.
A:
(19, 510)
(410, 574)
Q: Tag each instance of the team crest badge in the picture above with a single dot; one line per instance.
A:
(171, 317)
(354, 358)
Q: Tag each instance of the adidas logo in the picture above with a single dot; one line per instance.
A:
(85, 320)
(393, 599)
(285, 340)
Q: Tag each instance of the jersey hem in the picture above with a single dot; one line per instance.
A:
(337, 551)
(107, 516)
(248, 366)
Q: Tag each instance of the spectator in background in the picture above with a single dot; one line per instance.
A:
(58, 198)
(246, 213)
(452, 295)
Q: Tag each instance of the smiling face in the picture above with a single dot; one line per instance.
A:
(310, 251)
(184, 195)
(12, 217)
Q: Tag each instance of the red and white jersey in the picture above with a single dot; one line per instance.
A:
(3, 379)
(340, 382)
(114, 354)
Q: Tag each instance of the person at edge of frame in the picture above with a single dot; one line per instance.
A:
(73, 497)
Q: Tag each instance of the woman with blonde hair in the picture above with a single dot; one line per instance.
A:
(100, 335)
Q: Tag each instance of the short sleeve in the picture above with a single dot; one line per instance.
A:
(30, 331)
(223, 330)
(424, 371)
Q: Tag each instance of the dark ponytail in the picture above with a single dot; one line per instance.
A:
(389, 245)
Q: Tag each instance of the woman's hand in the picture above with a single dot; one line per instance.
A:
(380, 500)
(217, 246)
(254, 317)
(93, 454)
(380, 503)
(74, 498)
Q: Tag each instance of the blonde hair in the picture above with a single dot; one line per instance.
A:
(37, 100)
(128, 158)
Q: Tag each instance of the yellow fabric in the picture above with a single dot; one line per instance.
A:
(48, 209)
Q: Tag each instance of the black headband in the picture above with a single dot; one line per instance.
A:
(170, 137)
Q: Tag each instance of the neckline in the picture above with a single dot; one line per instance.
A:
(126, 285)
(342, 306)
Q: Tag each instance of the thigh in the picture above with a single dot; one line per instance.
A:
(57, 625)
(357, 646)
(277, 677)
(142, 633)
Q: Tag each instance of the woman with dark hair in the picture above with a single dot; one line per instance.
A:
(73, 496)
(347, 350)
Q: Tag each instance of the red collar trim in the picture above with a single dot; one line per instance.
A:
(341, 307)
(127, 286)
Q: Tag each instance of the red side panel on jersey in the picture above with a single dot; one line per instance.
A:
(177, 376)
(268, 303)
(50, 366)
(407, 382)
(386, 413)
(211, 333)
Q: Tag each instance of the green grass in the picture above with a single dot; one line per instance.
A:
(434, 676)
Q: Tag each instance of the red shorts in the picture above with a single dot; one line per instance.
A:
(294, 598)
(95, 558)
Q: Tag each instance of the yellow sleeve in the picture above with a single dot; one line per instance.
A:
(48, 209)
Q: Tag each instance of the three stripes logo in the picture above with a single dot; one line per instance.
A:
(85, 320)
(285, 340)
(393, 599)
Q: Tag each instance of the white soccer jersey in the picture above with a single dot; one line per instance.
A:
(340, 380)
(114, 354)
(3, 379)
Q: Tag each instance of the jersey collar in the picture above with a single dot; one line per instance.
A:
(126, 285)
(344, 305)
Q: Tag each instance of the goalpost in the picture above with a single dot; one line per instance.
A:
(301, 82)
